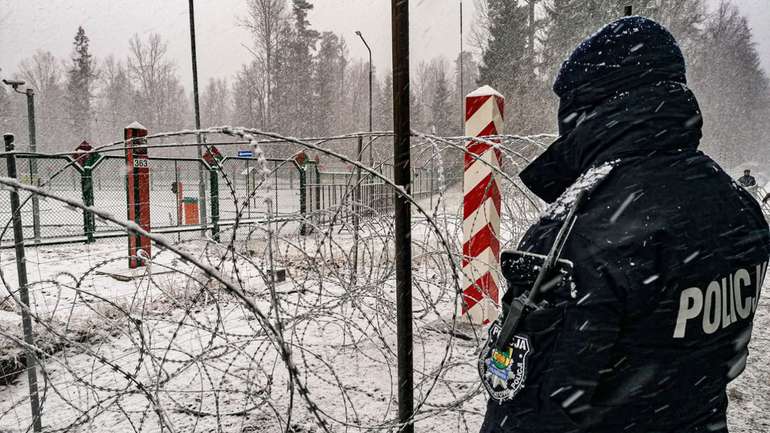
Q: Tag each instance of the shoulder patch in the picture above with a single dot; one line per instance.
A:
(503, 373)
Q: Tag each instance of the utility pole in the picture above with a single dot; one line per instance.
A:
(402, 172)
(462, 73)
(30, 93)
(196, 103)
(371, 77)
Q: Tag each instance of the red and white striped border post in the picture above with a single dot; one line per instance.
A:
(484, 110)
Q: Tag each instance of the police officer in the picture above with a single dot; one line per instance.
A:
(668, 257)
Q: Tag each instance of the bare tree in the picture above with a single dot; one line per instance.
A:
(215, 103)
(265, 20)
(482, 23)
(432, 90)
(43, 73)
(249, 96)
(159, 95)
(115, 108)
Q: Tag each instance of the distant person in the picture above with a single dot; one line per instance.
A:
(747, 180)
(651, 315)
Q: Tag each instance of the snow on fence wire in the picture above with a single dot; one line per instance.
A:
(274, 325)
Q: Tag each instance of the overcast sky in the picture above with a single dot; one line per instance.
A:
(27, 25)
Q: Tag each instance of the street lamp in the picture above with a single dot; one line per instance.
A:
(196, 105)
(15, 84)
(358, 32)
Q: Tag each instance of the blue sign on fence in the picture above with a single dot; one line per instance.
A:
(245, 154)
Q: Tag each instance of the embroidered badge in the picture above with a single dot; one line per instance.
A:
(503, 372)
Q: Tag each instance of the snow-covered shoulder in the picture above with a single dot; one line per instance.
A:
(585, 183)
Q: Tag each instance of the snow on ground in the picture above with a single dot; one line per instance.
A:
(172, 348)
(749, 409)
(208, 363)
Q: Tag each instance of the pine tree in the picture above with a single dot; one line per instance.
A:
(281, 107)
(732, 88)
(510, 64)
(301, 68)
(416, 113)
(470, 78)
(328, 79)
(384, 108)
(440, 111)
(568, 22)
(80, 79)
(469, 75)
(355, 97)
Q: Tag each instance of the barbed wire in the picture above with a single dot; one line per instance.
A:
(208, 338)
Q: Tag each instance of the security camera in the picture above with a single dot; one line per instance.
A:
(14, 83)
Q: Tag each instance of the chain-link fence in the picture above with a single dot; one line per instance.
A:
(316, 190)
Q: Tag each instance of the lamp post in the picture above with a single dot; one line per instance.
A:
(358, 32)
(30, 93)
(462, 72)
(201, 174)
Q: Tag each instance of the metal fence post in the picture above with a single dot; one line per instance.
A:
(178, 193)
(248, 189)
(214, 181)
(275, 182)
(356, 208)
(87, 187)
(34, 180)
(318, 190)
(303, 197)
(432, 174)
(300, 162)
(30, 360)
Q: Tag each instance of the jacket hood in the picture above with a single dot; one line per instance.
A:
(622, 93)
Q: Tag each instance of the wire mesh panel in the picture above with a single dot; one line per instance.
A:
(56, 220)
(174, 193)
(244, 189)
(312, 192)
(164, 200)
(109, 180)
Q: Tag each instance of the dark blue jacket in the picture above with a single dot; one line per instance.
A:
(669, 253)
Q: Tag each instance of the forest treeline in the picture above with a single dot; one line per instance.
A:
(302, 82)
